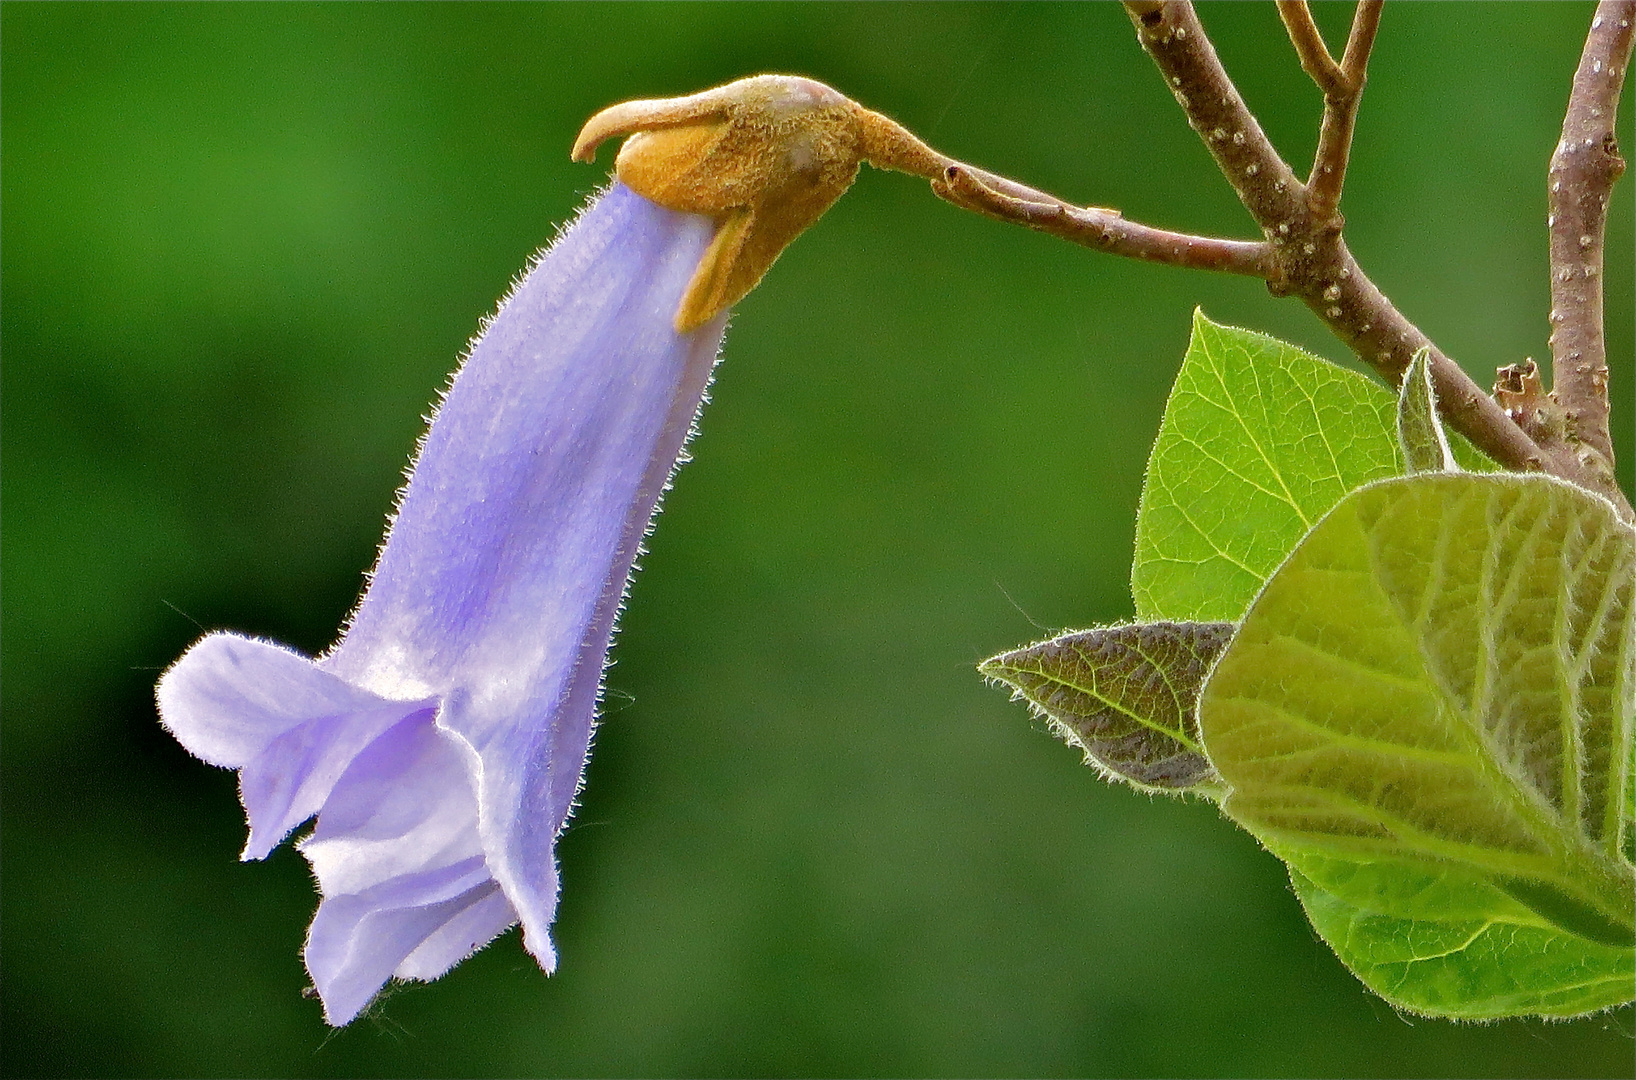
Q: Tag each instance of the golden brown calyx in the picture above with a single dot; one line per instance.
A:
(763, 156)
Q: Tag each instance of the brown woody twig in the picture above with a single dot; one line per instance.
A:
(1583, 170)
(1310, 47)
(1302, 253)
(1312, 260)
(1342, 85)
(1099, 228)
(890, 145)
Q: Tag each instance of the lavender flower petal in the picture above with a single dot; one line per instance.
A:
(288, 726)
(506, 564)
(357, 942)
(442, 741)
(486, 914)
(404, 809)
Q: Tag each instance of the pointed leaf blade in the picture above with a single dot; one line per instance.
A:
(1258, 441)
(1125, 695)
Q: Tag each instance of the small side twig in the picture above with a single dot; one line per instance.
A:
(1342, 93)
(1102, 229)
(888, 144)
(1310, 47)
(1583, 171)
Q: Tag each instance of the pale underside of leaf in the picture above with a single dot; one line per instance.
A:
(1436, 688)
(1125, 695)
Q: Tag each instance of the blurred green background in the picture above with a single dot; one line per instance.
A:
(243, 247)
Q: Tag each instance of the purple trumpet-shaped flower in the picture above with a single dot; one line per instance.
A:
(441, 742)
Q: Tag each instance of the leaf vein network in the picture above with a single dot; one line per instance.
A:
(1230, 407)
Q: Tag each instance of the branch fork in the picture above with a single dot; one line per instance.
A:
(1302, 252)
(766, 155)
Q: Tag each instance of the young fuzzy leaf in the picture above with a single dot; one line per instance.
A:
(1428, 712)
(1126, 695)
(1420, 434)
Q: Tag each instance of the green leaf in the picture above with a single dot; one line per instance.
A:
(1428, 713)
(1401, 928)
(1474, 969)
(1126, 695)
(1419, 429)
(1410, 891)
(1258, 441)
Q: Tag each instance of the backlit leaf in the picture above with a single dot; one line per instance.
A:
(1126, 695)
(1428, 712)
(1475, 969)
(1258, 441)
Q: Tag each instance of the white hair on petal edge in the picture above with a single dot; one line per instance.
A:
(441, 394)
